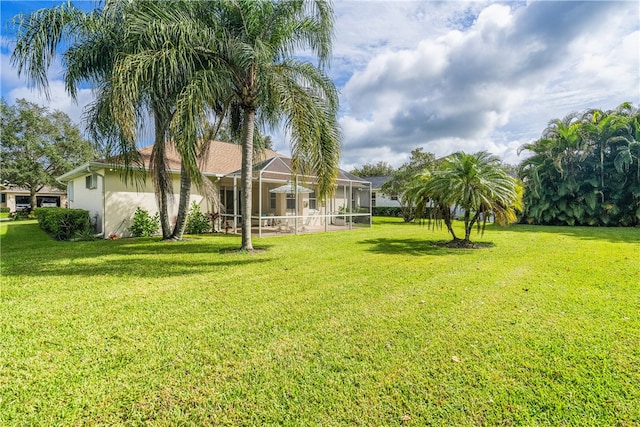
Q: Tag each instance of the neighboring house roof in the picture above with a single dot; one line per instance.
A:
(47, 189)
(377, 181)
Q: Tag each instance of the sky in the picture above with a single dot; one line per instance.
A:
(446, 76)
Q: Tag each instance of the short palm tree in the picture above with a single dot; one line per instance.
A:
(475, 183)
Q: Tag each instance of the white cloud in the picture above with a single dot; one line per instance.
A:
(59, 99)
(491, 84)
(452, 75)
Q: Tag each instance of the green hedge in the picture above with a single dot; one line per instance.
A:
(387, 211)
(5, 209)
(62, 223)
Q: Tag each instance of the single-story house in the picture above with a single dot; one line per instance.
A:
(282, 201)
(18, 198)
(377, 197)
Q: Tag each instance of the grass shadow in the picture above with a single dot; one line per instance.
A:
(416, 247)
(28, 251)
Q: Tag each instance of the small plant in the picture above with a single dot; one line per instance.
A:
(22, 214)
(144, 225)
(113, 236)
(197, 222)
(85, 234)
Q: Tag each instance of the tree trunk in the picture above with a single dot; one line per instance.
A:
(34, 200)
(468, 225)
(247, 178)
(183, 205)
(160, 176)
(446, 213)
(468, 228)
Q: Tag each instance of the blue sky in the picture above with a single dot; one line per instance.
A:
(447, 76)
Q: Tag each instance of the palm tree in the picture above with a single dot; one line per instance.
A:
(242, 52)
(477, 184)
(98, 47)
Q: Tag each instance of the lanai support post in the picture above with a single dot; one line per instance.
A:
(260, 204)
(235, 204)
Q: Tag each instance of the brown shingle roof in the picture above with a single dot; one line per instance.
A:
(223, 157)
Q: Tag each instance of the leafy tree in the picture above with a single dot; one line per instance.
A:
(403, 179)
(584, 170)
(38, 146)
(477, 184)
(379, 169)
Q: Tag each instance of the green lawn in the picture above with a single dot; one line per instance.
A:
(372, 327)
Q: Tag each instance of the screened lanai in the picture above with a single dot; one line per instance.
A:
(286, 203)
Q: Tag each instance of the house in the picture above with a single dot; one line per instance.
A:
(18, 198)
(282, 202)
(377, 197)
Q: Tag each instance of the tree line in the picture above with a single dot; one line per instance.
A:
(583, 170)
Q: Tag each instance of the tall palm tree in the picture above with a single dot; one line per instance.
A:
(477, 184)
(242, 52)
(99, 43)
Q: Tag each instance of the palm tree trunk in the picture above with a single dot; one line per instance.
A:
(247, 177)
(183, 205)
(160, 178)
(446, 213)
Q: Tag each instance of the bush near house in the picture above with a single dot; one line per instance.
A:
(144, 225)
(62, 223)
(197, 222)
(5, 209)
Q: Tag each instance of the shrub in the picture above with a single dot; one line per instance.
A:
(197, 222)
(144, 225)
(387, 211)
(62, 223)
(22, 214)
(5, 209)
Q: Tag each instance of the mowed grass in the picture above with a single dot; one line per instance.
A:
(372, 327)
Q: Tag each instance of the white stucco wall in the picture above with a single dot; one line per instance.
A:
(121, 201)
(80, 197)
(383, 200)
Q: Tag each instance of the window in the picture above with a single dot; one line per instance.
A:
(373, 199)
(91, 181)
(272, 201)
(291, 201)
(312, 200)
(394, 197)
(3, 198)
(70, 191)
